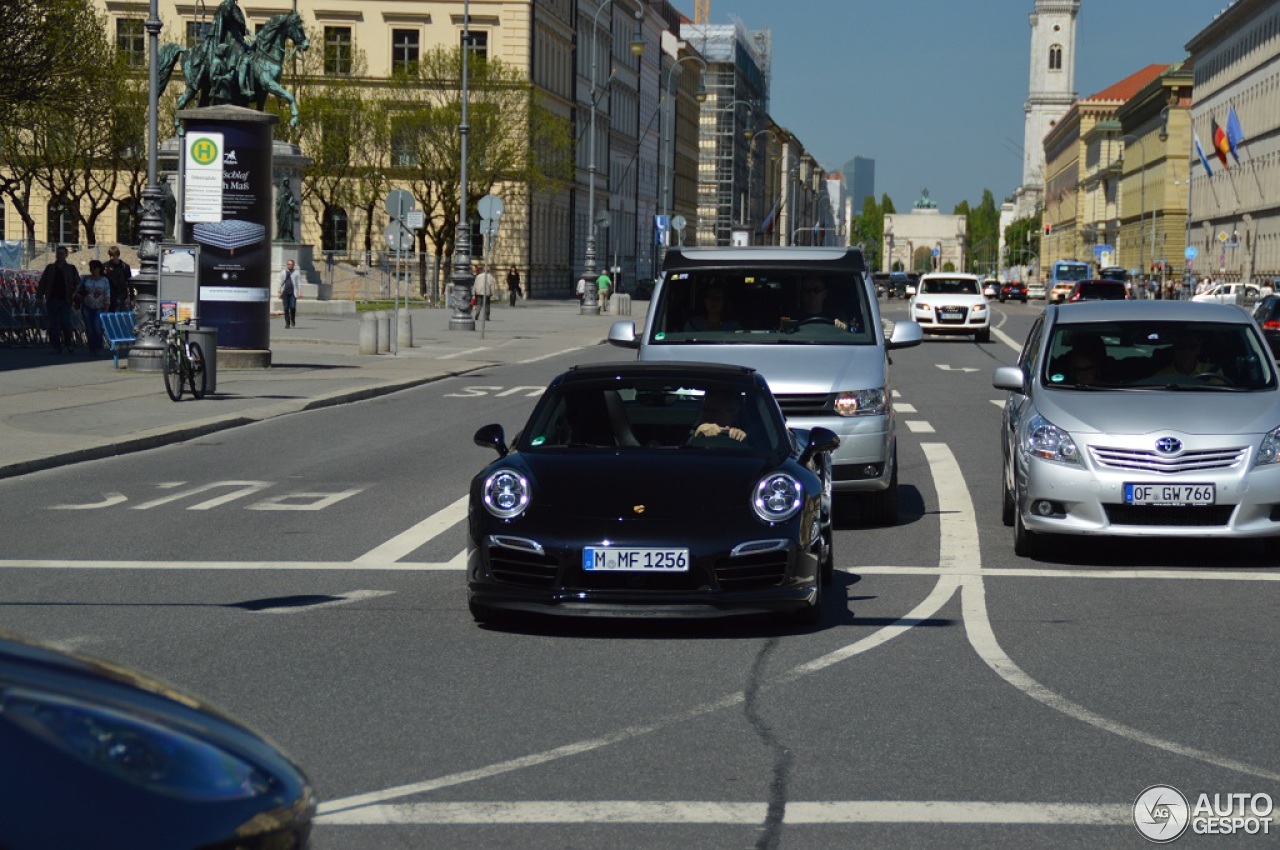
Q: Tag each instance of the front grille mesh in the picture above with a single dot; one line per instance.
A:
(749, 572)
(805, 404)
(528, 569)
(1140, 460)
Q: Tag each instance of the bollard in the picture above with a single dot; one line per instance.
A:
(368, 333)
(404, 328)
(384, 331)
(621, 304)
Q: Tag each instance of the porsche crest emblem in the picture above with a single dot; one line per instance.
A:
(638, 508)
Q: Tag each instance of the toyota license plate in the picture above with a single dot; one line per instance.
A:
(599, 559)
(1170, 494)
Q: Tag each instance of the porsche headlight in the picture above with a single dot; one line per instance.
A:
(1269, 451)
(134, 749)
(777, 497)
(1049, 442)
(861, 402)
(506, 494)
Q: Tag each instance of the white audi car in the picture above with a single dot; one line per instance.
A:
(952, 303)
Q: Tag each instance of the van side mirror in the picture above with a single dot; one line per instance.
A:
(905, 335)
(623, 335)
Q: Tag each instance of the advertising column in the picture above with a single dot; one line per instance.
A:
(227, 210)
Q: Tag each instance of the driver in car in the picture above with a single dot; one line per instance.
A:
(719, 410)
(813, 305)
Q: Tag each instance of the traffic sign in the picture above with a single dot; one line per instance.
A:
(678, 222)
(415, 219)
(490, 206)
(1191, 253)
(399, 238)
(399, 202)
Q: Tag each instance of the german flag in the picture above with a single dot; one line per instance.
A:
(1221, 146)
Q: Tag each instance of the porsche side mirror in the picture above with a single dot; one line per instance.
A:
(820, 440)
(492, 437)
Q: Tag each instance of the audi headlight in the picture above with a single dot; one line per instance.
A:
(778, 497)
(506, 494)
(920, 305)
(861, 402)
(135, 749)
(979, 308)
(1049, 442)
(1269, 451)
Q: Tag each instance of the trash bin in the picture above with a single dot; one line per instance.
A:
(208, 339)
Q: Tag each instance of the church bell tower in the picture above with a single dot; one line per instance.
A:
(1051, 91)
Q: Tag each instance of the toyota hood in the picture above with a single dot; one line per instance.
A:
(1149, 412)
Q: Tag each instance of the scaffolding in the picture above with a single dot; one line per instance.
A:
(737, 85)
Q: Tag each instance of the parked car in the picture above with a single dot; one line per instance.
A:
(991, 287)
(1013, 290)
(668, 489)
(1141, 419)
(949, 303)
(1267, 315)
(1230, 293)
(98, 755)
(1098, 290)
(827, 369)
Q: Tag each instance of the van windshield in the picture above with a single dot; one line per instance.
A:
(782, 307)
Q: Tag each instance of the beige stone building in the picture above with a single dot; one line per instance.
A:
(924, 239)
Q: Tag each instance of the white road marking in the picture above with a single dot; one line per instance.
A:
(464, 353)
(241, 489)
(946, 368)
(344, 599)
(456, 563)
(746, 814)
(1130, 574)
(108, 500)
(1007, 340)
(902, 407)
(998, 402)
(542, 357)
(303, 501)
(405, 542)
(915, 426)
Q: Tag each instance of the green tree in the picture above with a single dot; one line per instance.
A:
(868, 231)
(1022, 241)
(886, 205)
(505, 120)
(50, 49)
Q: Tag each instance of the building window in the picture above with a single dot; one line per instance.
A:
(127, 221)
(1055, 58)
(477, 42)
(195, 32)
(337, 50)
(62, 229)
(333, 233)
(131, 41)
(402, 143)
(404, 51)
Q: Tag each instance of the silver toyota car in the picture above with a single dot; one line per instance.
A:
(1141, 418)
(807, 319)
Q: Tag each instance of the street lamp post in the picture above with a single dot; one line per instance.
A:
(751, 137)
(590, 301)
(462, 319)
(1142, 200)
(669, 145)
(146, 354)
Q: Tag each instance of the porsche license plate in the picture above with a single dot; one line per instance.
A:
(1169, 494)
(599, 559)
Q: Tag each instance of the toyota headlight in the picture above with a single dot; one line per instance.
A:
(506, 494)
(135, 749)
(778, 497)
(861, 402)
(1049, 442)
(1269, 451)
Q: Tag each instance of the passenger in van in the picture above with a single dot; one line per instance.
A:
(713, 317)
(814, 305)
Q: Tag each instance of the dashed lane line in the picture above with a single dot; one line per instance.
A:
(407, 541)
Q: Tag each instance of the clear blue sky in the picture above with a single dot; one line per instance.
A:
(933, 90)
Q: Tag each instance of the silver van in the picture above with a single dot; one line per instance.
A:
(808, 320)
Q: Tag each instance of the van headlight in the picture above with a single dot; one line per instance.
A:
(861, 402)
(1049, 442)
(506, 494)
(778, 497)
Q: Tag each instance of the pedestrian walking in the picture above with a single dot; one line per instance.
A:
(94, 296)
(513, 286)
(58, 285)
(121, 277)
(582, 288)
(605, 286)
(290, 285)
(486, 285)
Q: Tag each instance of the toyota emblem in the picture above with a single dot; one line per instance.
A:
(1168, 445)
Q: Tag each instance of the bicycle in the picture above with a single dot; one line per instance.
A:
(183, 364)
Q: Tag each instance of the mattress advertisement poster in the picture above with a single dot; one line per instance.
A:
(235, 246)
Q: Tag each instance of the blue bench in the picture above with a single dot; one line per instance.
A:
(117, 329)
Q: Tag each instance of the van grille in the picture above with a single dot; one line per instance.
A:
(805, 404)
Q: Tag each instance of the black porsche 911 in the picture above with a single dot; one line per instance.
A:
(653, 489)
(97, 755)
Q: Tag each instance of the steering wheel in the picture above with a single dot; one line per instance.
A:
(817, 320)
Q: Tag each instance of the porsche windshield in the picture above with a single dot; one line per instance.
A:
(769, 307)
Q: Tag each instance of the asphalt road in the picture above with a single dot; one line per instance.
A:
(955, 694)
